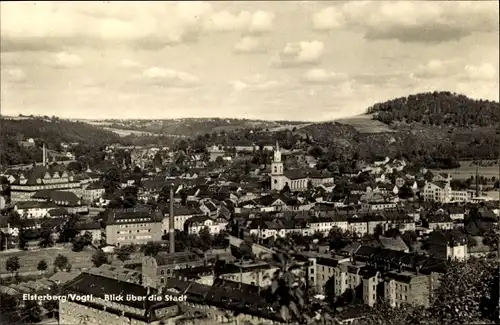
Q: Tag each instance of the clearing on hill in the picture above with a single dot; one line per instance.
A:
(365, 124)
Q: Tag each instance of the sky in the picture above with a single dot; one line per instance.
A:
(299, 60)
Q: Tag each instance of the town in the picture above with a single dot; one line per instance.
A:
(280, 241)
(249, 162)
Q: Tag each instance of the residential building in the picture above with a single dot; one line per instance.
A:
(133, 226)
(102, 309)
(195, 224)
(155, 270)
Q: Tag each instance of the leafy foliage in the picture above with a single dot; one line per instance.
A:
(438, 108)
(52, 131)
(99, 258)
(12, 264)
(61, 262)
(42, 265)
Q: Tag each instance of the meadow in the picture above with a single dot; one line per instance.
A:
(30, 259)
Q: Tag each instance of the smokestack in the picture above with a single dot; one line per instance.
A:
(171, 221)
(477, 179)
(44, 161)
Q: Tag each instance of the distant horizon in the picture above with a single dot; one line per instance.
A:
(275, 60)
(221, 117)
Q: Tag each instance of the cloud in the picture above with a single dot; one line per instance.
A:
(13, 75)
(256, 83)
(438, 69)
(67, 60)
(248, 44)
(328, 18)
(435, 69)
(298, 54)
(255, 23)
(484, 71)
(56, 25)
(321, 76)
(406, 21)
(170, 78)
(126, 63)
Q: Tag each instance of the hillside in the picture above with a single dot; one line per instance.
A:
(189, 127)
(438, 108)
(52, 131)
(433, 129)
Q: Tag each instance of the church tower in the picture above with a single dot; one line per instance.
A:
(277, 177)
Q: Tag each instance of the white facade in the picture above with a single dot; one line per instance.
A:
(277, 177)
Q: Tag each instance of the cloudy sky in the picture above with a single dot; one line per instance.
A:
(270, 60)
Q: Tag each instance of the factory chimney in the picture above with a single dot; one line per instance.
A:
(171, 221)
(44, 161)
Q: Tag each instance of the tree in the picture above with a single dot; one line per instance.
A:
(12, 264)
(467, 293)
(42, 266)
(123, 252)
(287, 292)
(32, 312)
(286, 188)
(112, 180)
(47, 239)
(99, 258)
(206, 239)
(61, 262)
(152, 249)
(80, 242)
(378, 231)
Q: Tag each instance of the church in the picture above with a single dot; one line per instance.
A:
(296, 179)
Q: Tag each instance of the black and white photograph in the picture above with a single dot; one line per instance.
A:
(249, 162)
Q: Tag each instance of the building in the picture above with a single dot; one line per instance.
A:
(93, 192)
(156, 270)
(133, 226)
(297, 180)
(43, 177)
(448, 245)
(214, 225)
(216, 152)
(34, 209)
(441, 191)
(104, 307)
(181, 215)
(397, 278)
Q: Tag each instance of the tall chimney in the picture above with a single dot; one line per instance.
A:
(171, 221)
(44, 161)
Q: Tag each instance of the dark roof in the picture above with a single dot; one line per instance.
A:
(98, 286)
(129, 216)
(225, 297)
(57, 196)
(177, 258)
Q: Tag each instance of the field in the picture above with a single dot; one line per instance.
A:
(124, 133)
(365, 124)
(29, 259)
(467, 169)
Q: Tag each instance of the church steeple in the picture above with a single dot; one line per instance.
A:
(277, 154)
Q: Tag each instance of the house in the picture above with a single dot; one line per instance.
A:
(181, 215)
(209, 208)
(93, 228)
(324, 223)
(133, 226)
(439, 219)
(34, 209)
(448, 245)
(441, 191)
(93, 191)
(195, 224)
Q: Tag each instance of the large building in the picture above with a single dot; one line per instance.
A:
(297, 179)
(43, 177)
(133, 226)
(156, 270)
(105, 307)
(441, 191)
